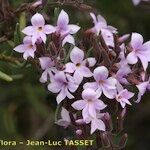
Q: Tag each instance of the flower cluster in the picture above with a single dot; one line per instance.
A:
(85, 86)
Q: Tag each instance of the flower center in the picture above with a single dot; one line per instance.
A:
(101, 81)
(30, 46)
(40, 28)
(78, 64)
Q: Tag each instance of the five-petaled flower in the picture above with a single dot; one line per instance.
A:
(78, 65)
(103, 83)
(63, 84)
(27, 48)
(38, 28)
(139, 50)
(64, 29)
(101, 27)
(89, 104)
(123, 97)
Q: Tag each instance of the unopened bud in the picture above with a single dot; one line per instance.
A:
(80, 121)
(123, 141)
(79, 132)
(105, 140)
(123, 38)
(108, 122)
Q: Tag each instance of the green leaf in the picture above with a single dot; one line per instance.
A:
(5, 77)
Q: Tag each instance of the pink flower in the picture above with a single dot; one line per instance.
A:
(63, 84)
(65, 29)
(78, 65)
(139, 50)
(123, 97)
(103, 83)
(49, 68)
(27, 48)
(65, 120)
(38, 28)
(100, 25)
(90, 104)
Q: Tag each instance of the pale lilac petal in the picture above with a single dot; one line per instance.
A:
(21, 48)
(123, 104)
(97, 124)
(38, 20)
(126, 101)
(143, 61)
(61, 96)
(27, 40)
(72, 87)
(43, 37)
(70, 67)
(73, 28)
(110, 83)
(60, 77)
(132, 58)
(68, 94)
(46, 62)
(76, 55)
(89, 94)
(136, 41)
(35, 38)
(54, 87)
(26, 55)
(102, 20)
(63, 20)
(99, 92)
(78, 77)
(85, 114)
(92, 110)
(109, 93)
(99, 105)
(48, 29)
(92, 85)
(29, 30)
(65, 115)
(62, 123)
(79, 105)
(93, 17)
(91, 61)
(100, 73)
(146, 46)
(85, 71)
(68, 39)
(31, 52)
(43, 77)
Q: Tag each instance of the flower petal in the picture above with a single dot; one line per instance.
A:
(132, 58)
(38, 20)
(73, 28)
(109, 93)
(21, 48)
(78, 77)
(46, 62)
(70, 67)
(136, 41)
(92, 85)
(61, 96)
(54, 87)
(29, 30)
(79, 104)
(63, 20)
(100, 73)
(76, 55)
(89, 94)
(48, 29)
(68, 39)
(85, 71)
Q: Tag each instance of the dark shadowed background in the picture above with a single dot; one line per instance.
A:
(27, 108)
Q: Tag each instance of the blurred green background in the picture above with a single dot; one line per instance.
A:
(27, 108)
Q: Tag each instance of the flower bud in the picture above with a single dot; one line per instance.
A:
(79, 132)
(108, 122)
(105, 140)
(80, 121)
(123, 141)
